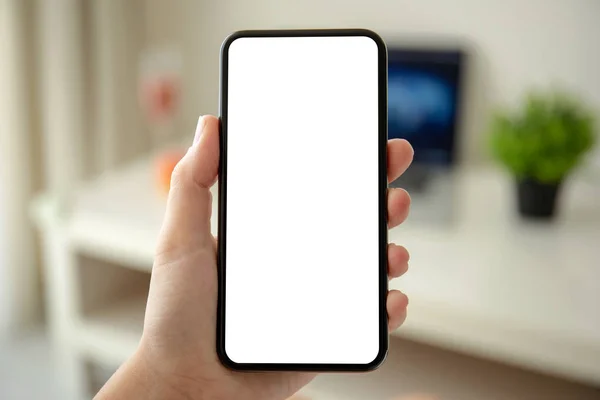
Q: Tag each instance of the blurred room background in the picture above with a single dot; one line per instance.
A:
(98, 98)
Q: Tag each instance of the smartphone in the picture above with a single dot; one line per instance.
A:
(302, 201)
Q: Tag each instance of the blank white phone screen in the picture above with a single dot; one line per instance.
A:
(302, 217)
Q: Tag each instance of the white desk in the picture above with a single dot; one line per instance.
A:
(495, 286)
(489, 285)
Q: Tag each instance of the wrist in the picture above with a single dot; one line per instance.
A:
(139, 379)
(162, 384)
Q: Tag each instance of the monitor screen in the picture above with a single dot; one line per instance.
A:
(423, 101)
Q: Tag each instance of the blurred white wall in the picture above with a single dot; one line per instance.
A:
(518, 43)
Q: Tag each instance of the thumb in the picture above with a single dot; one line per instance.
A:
(186, 227)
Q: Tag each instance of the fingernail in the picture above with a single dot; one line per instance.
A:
(199, 129)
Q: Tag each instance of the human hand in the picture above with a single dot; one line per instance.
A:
(177, 355)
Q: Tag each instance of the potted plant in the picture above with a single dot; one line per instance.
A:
(540, 144)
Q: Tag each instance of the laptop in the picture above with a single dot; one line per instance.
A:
(424, 105)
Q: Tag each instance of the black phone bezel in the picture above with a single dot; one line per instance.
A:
(382, 203)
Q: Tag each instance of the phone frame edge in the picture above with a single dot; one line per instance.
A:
(382, 202)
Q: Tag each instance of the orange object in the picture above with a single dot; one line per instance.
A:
(164, 165)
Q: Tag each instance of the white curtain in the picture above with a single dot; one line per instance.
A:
(68, 112)
(19, 283)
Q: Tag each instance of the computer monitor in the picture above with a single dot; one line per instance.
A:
(424, 101)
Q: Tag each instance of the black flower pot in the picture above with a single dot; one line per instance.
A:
(537, 200)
